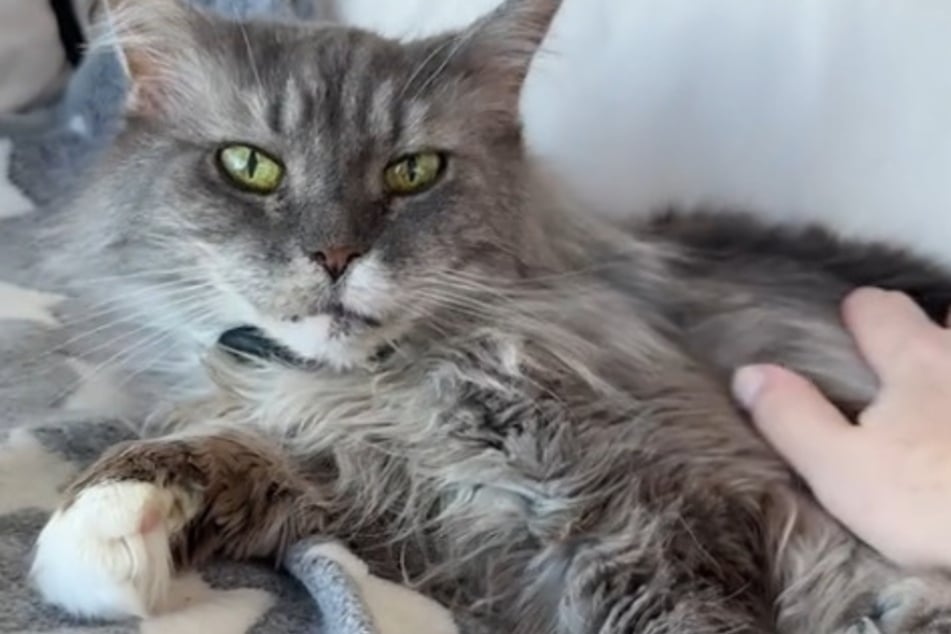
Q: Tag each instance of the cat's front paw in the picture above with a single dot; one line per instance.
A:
(107, 553)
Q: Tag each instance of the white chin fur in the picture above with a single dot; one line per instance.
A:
(94, 560)
(312, 338)
(368, 289)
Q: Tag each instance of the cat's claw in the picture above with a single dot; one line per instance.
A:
(106, 554)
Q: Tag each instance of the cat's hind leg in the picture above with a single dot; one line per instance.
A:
(659, 574)
(149, 508)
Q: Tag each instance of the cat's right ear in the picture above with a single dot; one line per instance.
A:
(495, 53)
(155, 42)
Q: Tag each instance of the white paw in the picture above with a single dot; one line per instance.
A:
(107, 554)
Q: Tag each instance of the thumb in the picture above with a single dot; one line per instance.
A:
(804, 427)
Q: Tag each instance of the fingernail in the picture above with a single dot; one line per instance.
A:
(747, 384)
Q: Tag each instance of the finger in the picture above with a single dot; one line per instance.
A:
(804, 427)
(887, 326)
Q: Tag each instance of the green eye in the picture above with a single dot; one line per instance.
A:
(250, 168)
(413, 173)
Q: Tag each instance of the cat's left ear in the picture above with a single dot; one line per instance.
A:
(497, 51)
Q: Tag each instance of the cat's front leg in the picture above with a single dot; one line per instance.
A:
(149, 508)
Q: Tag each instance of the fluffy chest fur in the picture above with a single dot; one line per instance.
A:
(514, 438)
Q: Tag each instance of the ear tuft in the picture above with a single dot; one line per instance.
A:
(154, 41)
(492, 57)
(502, 45)
(510, 36)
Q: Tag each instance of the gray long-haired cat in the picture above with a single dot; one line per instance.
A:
(522, 411)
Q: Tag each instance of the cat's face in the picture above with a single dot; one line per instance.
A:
(323, 184)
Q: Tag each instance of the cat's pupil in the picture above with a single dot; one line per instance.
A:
(412, 170)
(252, 165)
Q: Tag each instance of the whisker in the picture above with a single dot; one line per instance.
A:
(115, 304)
(144, 368)
(131, 315)
(422, 66)
(143, 274)
(179, 304)
(458, 45)
(252, 62)
(118, 359)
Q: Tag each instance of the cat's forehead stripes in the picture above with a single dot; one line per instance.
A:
(380, 122)
(350, 94)
(328, 79)
(288, 110)
(414, 133)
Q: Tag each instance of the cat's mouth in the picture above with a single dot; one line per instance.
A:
(341, 312)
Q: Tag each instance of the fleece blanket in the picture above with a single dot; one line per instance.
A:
(45, 436)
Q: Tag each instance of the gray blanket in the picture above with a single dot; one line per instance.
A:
(44, 441)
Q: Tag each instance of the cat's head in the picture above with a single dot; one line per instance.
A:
(321, 183)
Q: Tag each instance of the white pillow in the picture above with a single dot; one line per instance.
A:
(833, 110)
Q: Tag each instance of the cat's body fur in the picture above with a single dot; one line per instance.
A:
(548, 444)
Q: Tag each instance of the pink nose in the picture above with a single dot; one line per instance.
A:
(336, 260)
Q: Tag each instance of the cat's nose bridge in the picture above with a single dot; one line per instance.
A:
(335, 260)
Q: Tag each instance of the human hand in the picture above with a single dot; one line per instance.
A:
(889, 477)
